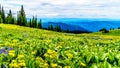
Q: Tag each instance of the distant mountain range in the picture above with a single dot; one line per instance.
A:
(64, 26)
(81, 24)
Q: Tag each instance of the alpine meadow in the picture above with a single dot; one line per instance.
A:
(53, 39)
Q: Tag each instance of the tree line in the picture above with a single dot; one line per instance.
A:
(22, 20)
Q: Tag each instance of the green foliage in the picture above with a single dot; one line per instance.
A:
(1, 20)
(104, 30)
(21, 17)
(34, 22)
(50, 27)
(58, 28)
(10, 19)
(47, 49)
(67, 31)
(39, 24)
(2, 15)
(33, 48)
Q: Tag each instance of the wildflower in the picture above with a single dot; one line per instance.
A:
(59, 46)
(69, 55)
(46, 55)
(67, 67)
(20, 56)
(40, 59)
(54, 65)
(50, 51)
(14, 61)
(59, 66)
(13, 44)
(34, 52)
(12, 53)
(46, 64)
(15, 65)
(15, 41)
(7, 43)
(21, 61)
(82, 64)
(22, 64)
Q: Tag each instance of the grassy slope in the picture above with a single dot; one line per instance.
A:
(34, 43)
(111, 32)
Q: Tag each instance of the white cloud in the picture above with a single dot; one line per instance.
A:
(66, 8)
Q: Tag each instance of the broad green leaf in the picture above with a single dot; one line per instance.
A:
(107, 65)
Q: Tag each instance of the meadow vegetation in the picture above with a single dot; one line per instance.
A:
(24, 47)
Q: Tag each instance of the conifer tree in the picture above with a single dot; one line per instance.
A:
(2, 14)
(39, 25)
(58, 28)
(30, 23)
(10, 19)
(21, 17)
(50, 27)
(1, 20)
(0, 11)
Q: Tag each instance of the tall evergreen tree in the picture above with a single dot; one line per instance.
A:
(29, 23)
(1, 20)
(34, 22)
(39, 25)
(58, 28)
(21, 17)
(50, 27)
(0, 10)
(10, 19)
(3, 15)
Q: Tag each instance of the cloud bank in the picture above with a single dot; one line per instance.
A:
(66, 8)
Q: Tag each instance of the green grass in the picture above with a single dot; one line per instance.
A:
(111, 32)
(37, 48)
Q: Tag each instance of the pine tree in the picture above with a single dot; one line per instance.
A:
(29, 24)
(35, 25)
(21, 17)
(3, 15)
(33, 22)
(0, 11)
(10, 19)
(39, 25)
(58, 28)
(67, 31)
(1, 20)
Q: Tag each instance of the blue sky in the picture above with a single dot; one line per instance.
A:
(65, 8)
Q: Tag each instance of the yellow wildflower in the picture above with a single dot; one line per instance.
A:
(39, 59)
(34, 52)
(15, 65)
(21, 61)
(46, 55)
(14, 61)
(82, 64)
(20, 56)
(59, 66)
(59, 46)
(67, 67)
(22, 64)
(46, 64)
(50, 51)
(15, 41)
(54, 65)
(69, 55)
(11, 53)
(13, 44)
